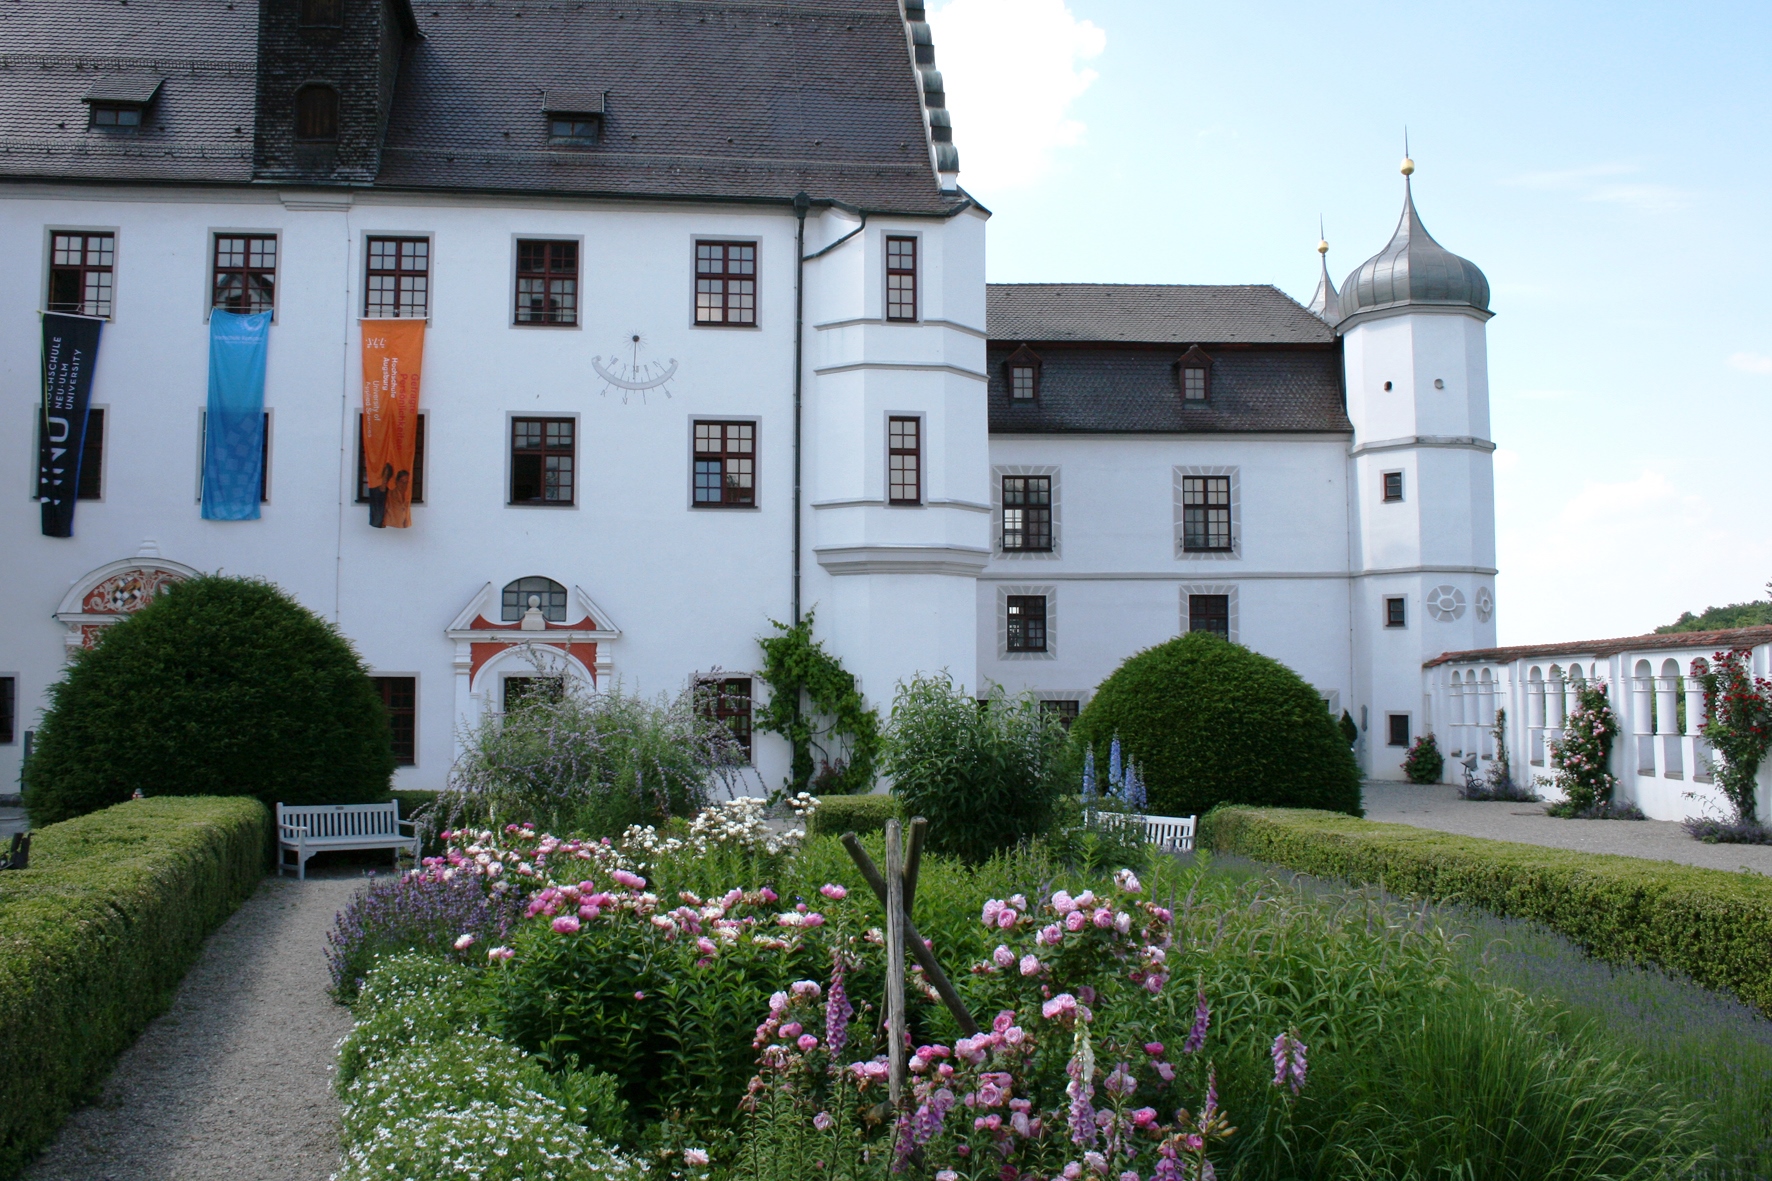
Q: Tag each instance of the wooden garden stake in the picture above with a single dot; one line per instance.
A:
(895, 936)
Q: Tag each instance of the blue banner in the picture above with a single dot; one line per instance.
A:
(234, 428)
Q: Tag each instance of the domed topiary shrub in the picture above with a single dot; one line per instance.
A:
(1210, 722)
(220, 686)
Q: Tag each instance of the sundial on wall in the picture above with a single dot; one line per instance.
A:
(633, 374)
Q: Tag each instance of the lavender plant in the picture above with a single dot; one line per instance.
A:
(423, 911)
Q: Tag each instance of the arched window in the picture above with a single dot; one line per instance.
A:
(551, 598)
(316, 114)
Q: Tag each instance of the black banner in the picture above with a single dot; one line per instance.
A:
(70, 349)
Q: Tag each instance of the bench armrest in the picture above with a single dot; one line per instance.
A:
(293, 830)
(408, 824)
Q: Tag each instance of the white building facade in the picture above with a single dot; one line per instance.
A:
(706, 347)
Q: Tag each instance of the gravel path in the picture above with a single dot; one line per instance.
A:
(1437, 806)
(232, 1083)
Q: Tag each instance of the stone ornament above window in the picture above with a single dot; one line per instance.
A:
(1446, 603)
(1485, 604)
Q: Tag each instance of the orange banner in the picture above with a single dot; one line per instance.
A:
(393, 356)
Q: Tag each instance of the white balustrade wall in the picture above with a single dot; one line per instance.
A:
(1662, 762)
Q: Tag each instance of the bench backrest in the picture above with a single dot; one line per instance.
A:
(1162, 831)
(343, 820)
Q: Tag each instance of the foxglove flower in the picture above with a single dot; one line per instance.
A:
(1196, 1036)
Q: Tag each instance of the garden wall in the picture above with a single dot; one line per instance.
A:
(1713, 926)
(95, 937)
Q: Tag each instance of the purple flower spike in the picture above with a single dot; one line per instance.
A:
(1196, 1037)
(1289, 1061)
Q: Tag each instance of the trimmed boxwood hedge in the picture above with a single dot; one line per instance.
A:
(836, 815)
(1210, 722)
(95, 937)
(1713, 926)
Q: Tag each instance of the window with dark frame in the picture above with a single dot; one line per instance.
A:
(901, 278)
(518, 690)
(92, 457)
(1193, 383)
(80, 273)
(1209, 613)
(904, 460)
(8, 710)
(1399, 727)
(547, 282)
(1395, 612)
(549, 596)
(1027, 623)
(264, 456)
(1393, 486)
(543, 460)
(116, 116)
(1065, 711)
(418, 462)
(725, 464)
(244, 278)
(324, 14)
(1205, 514)
(728, 702)
(399, 696)
(1027, 514)
(398, 279)
(573, 129)
(316, 114)
(726, 283)
(1024, 383)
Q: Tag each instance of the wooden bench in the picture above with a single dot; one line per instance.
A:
(1172, 834)
(307, 829)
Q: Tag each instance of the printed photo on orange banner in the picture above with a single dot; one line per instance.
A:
(393, 356)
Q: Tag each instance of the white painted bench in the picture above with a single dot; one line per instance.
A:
(307, 829)
(1169, 833)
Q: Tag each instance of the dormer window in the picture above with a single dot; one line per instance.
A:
(1021, 374)
(124, 115)
(575, 117)
(316, 114)
(120, 103)
(322, 14)
(1193, 373)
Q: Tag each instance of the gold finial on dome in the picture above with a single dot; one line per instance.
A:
(1322, 246)
(1408, 166)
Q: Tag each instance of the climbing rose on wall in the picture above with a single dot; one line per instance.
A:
(1737, 725)
(1584, 755)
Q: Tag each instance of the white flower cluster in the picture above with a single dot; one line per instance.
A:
(734, 826)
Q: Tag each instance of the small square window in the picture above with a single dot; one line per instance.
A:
(1065, 711)
(1399, 729)
(1027, 623)
(547, 282)
(399, 696)
(725, 465)
(1395, 612)
(1393, 486)
(1209, 613)
(544, 455)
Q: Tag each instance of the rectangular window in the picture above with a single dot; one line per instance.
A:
(8, 710)
(1394, 612)
(1027, 514)
(725, 464)
(399, 696)
(1399, 727)
(264, 457)
(543, 454)
(547, 282)
(322, 13)
(398, 282)
(1193, 384)
(904, 460)
(1209, 613)
(729, 703)
(1023, 381)
(1205, 513)
(245, 273)
(725, 283)
(1065, 711)
(80, 273)
(1393, 486)
(115, 115)
(901, 278)
(1027, 623)
(92, 458)
(418, 462)
(572, 129)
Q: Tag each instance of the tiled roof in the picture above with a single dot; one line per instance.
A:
(1738, 637)
(1104, 388)
(751, 100)
(1149, 313)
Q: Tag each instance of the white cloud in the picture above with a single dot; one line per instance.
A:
(1012, 70)
(1603, 183)
(1751, 362)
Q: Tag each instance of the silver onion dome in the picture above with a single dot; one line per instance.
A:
(1413, 270)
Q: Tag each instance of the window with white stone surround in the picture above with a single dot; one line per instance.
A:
(1199, 607)
(1047, 597)
(1208, 514)
(1003, 524)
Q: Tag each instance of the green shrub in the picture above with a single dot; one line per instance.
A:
(1210, 722)
(220, 686)
(95, 937)
(1424, 763)
(1713, 926)
(986, 775)
(836, 815)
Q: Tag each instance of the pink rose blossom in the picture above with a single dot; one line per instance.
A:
(1030, 965)
(833, 891)
(1074, 921)
(628, 881)
(1002, 957)
(566, 924)
(1006, 918)
(791, 1030)
(807, 1043)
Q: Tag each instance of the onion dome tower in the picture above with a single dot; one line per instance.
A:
(1326, 304)
(1420, 475)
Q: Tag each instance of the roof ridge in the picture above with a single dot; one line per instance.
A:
(1757, 633)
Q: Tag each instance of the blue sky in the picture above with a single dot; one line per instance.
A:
(1606, 166)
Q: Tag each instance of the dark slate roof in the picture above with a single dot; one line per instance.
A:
(1150, 313)
(1109, 388)
(1736, 637)
(751, 100)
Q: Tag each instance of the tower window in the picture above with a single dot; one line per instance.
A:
(901, 278)
(1393, 486)
(1027, 623)
(316, 114)
(1395, 609)
(904, 459)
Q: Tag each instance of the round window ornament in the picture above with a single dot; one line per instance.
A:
(1445, 603)
(1485, 604)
